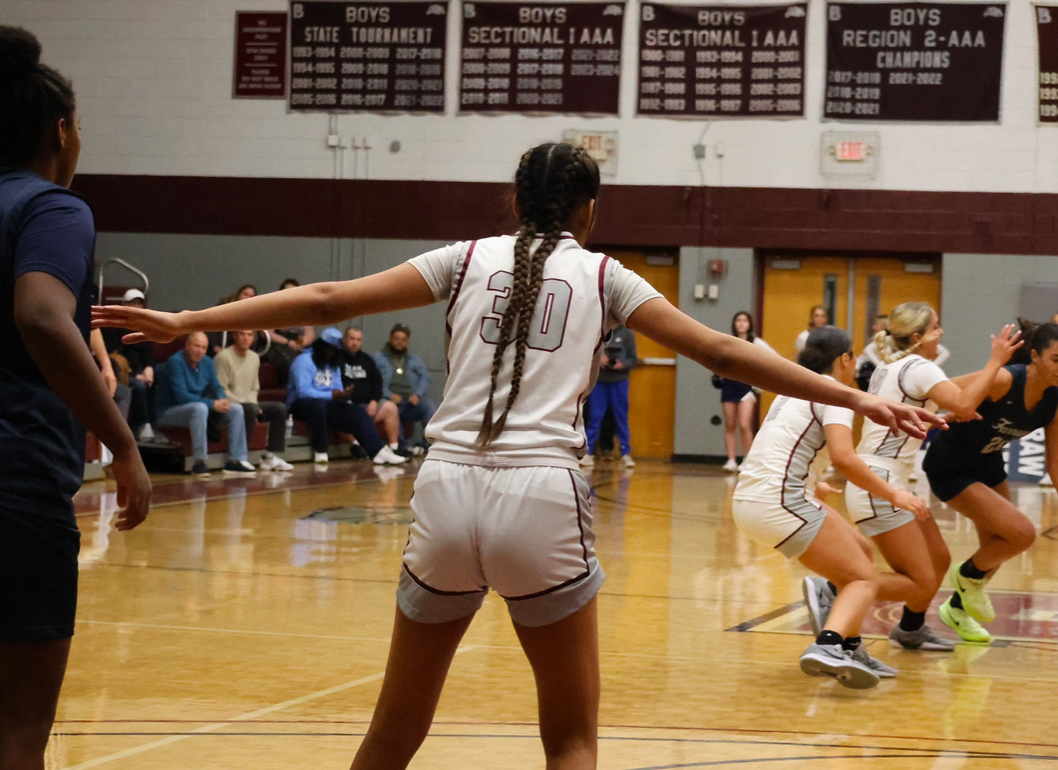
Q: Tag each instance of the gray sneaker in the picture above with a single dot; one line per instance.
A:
(924, 638)
(831, 660)
(860, 655)
(818, 599)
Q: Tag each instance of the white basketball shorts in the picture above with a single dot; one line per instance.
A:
(523, 531)
(789, 529)
(875, 515)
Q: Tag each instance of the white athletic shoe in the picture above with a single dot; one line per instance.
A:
(628, 461)
(831, 660)
(588, 461)
(730, 466)
(320, 458)
(924, 638)
(386, 456)
(860, 655)
(275, 463)
(818, 599)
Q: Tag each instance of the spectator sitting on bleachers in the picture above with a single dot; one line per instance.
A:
(118, 391)
(315, 395)
(141, 362)
(405, 379)
(363, 384)
(237, 371)
(188, 393)
(287, 344)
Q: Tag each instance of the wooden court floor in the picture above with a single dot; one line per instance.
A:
(246, 624)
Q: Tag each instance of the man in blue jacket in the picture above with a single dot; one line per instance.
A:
(405, 380)
(187, 392)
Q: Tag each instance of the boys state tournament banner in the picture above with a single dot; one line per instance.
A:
(721, 61)
(367, 56)
(541, 57)
(935, 62)
(1047, 82)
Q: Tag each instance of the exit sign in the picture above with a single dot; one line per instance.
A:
(851, 151)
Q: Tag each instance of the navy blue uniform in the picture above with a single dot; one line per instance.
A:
(970, 452)
(43, 228)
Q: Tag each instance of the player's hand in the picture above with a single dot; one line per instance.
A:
(134, 490)
(145, 324)
(1006, 343)
(912, 420)
(908, 502)
(824, 490)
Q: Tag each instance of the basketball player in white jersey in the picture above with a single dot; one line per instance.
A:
(911, 544)
(774, 504)
(500, 502)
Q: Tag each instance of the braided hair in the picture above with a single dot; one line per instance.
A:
(32, 97)
(552, 181)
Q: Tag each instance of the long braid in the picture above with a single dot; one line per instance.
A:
(545, 196)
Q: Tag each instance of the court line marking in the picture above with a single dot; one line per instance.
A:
(214, 629)
(240, 718)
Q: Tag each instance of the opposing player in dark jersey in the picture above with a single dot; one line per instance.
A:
(965, 469)
(50, 389)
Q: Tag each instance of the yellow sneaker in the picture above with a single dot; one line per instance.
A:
(963, 624)
(972, 592)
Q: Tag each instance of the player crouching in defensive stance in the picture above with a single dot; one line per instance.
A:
(774, 505)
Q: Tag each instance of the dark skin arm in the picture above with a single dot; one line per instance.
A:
(43, 313)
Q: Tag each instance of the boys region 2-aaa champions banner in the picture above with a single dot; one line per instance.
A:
(721, 61)
(914, 61)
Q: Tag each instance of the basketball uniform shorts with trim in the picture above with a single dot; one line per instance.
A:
(789, 529)
(523, 531)
(875, 515)
(38, 575)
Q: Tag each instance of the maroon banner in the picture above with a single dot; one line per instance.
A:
(541, 57)
(367, 56)
(260, 56)
(722, 61)
(1047, 82)
(914, 61)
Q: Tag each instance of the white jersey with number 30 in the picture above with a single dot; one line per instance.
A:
(583, 296)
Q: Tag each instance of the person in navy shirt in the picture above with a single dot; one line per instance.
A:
(965, 469)
(188, 393)
(50, 390)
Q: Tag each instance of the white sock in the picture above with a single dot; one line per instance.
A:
(394, 445)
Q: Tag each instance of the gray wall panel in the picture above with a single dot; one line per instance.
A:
(980, 293)
(696, 399)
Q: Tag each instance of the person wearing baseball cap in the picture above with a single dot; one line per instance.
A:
(316, 396)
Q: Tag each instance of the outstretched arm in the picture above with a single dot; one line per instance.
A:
(962, 399)
(739, 360)
(318, 304)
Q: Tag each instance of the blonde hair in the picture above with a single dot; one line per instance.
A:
(905, 321)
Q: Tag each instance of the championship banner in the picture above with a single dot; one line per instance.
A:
(721, 61)
(930, 62)
(541, 57)
(1047, 83)
(367, 56)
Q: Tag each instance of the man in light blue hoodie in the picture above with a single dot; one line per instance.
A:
(315, 395)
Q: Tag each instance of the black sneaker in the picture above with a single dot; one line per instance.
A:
(403, 451)
(239, 468)
(357, 452)
(200, 469)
